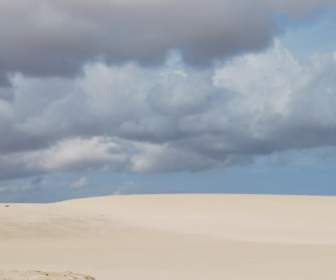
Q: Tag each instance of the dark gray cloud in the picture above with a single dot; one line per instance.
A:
(56, 38)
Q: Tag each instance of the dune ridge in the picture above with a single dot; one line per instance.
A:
(174, 237)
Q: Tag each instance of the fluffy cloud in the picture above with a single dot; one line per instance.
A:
(79, 153)
(168, 118)
(56, 38)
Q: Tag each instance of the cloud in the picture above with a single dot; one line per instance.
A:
(165, 158)
(80, 183)
(300, 7)
(80, 153)
(15, 189)
(168, 118)
(66, 155)
(18, 187)
(56, 38)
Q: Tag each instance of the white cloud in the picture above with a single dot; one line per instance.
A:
(164, 158)
(80, 153)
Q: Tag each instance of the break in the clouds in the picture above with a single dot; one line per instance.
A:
(169, 118)
(56, 38)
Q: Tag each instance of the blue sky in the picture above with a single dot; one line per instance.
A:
(254, 118)
(299, 173)
(315, 34)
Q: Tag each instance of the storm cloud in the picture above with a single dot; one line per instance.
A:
(45, 38)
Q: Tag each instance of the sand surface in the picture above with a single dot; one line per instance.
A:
(40, 275)
(232, 237)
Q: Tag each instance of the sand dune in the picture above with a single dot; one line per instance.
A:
(39, 275)
(174, 237)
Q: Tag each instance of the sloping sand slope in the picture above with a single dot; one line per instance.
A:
(174, 237)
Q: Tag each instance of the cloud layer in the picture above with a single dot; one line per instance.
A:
(56, 38)
(168, 118)
(156, 86)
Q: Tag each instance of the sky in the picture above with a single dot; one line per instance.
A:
(133, 97)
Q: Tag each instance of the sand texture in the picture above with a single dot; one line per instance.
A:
(39, 275)
(234, 237)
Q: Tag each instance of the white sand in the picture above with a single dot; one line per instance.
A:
(174, 237)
